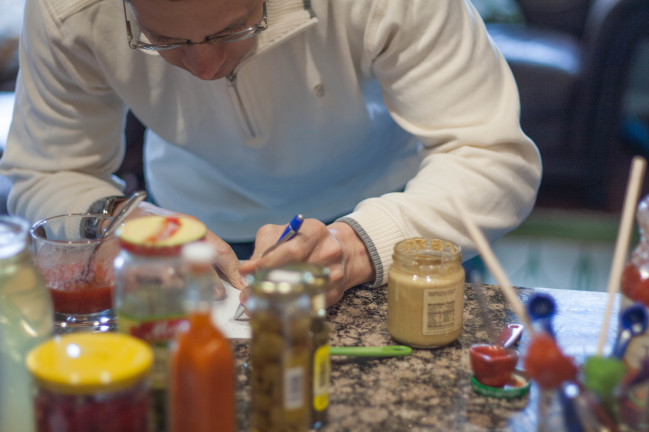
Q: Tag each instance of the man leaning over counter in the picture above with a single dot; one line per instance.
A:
(363, 115)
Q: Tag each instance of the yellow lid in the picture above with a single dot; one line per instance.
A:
(87, 363)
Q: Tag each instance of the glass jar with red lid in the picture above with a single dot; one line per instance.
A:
(91, 381)
(150, 289)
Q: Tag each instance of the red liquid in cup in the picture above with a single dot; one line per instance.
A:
(78, 296)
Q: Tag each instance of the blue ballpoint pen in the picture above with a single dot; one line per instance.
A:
(291, 231)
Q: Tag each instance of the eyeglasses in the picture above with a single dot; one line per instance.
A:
(241, 35)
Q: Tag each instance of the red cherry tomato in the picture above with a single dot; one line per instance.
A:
(634, 285)
(546, 364)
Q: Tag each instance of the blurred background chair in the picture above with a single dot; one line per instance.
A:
(572, 60)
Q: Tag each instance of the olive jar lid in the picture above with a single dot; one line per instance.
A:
(289, 280)
(88, 363)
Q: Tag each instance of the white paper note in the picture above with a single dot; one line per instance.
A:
(223, 315)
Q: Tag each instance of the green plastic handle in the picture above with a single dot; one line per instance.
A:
(379, 351)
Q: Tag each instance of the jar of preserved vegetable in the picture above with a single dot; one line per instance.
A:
(150, 290)
(280, 350)
(91, 381)
(425, 292)
(26, 320)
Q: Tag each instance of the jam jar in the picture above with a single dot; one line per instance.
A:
(425, 292)
(91, 381)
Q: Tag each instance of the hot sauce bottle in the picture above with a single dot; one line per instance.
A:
(202, 371)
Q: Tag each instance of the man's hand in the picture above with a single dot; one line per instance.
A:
(227, 261)
(336, 246)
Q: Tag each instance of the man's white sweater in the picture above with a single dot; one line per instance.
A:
(375, 110)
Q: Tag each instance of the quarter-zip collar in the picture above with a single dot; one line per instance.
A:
(285, 19)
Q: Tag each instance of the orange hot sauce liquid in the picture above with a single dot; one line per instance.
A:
(202, 379)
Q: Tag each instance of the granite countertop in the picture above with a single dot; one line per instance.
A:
(431, 389)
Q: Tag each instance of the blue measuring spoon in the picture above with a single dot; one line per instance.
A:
(542, 309)
(633, 322)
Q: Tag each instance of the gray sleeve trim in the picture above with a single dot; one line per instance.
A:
(369, 244)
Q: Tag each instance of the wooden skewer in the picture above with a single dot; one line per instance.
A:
(633, 188)
(494, 266)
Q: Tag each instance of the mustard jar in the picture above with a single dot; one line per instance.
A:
(425, 292)
(90, 381)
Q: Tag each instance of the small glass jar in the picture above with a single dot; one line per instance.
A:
(150, 290)
(425, 292)
(280, 350)
(86, 380)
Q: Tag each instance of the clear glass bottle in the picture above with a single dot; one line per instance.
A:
(26, 319)
(150, 290)
(280, 350)
(425, 292)
(634, 287)
(634, 284)
(202, 371)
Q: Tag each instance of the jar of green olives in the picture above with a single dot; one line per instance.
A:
(280, 350)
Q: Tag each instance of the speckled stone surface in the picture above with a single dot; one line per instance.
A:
(431, 389)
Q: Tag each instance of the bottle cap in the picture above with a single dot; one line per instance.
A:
(290, 279)
(88, 363)
(518, 386)
(160, 235)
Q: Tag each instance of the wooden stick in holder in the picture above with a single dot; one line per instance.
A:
(633, 188)
(493, 265)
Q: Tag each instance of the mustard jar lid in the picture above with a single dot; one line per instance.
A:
(88, 363)
(424, 255)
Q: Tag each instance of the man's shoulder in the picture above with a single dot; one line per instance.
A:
(61, 10)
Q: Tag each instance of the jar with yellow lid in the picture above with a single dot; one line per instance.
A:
(425, 292)
(91, 381)
(280, 350)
